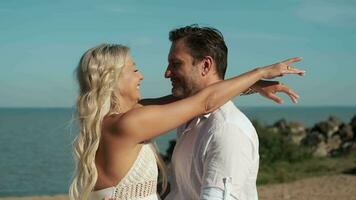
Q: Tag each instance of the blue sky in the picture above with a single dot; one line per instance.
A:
(41, 43)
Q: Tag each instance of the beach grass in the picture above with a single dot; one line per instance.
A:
(283, 171)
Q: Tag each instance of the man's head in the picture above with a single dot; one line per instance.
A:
(198, 56)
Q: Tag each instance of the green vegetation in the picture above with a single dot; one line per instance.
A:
(283, 161)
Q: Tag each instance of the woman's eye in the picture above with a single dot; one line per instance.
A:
(136, 70)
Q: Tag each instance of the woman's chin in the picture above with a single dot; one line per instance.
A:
(139, 97)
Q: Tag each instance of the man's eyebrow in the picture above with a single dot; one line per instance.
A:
(173, 60)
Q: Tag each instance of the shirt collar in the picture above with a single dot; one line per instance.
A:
(206, 115)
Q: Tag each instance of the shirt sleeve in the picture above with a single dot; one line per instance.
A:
(214, 193)
(230, 153)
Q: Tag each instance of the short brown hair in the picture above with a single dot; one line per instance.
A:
(203, 41)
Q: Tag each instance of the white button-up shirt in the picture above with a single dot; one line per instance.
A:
(216, 151)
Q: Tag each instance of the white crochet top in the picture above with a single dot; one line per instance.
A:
(140, 183)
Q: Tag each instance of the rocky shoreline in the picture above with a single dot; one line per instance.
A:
(331, 137)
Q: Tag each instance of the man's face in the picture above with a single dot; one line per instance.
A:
(185, 76)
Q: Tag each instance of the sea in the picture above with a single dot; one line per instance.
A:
(36, 143)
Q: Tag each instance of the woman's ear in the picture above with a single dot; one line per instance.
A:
(207, 65)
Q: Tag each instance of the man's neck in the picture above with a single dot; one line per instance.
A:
(205, 84)
(212, 82)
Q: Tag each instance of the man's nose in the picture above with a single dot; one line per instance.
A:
(168, 73)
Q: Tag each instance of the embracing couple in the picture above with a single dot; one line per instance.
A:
(216, 155)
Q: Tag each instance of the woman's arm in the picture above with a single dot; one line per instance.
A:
(146, 122)
(158, 101)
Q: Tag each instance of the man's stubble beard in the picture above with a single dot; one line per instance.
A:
(191, 88)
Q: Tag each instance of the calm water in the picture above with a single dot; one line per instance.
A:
(35, 144)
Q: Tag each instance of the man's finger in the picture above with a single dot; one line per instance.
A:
(293, 96)
(294, 100)
(288, 91)
(275, 98)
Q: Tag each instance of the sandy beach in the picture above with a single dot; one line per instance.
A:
(341, 187)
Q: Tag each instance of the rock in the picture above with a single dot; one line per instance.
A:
(333, 143)
(345, 132)
(281, 124)
(313, 139)
(353, 146)
(327, 128)
(332, 147)
(321, 150)
(334, 120)
(273, 129)
(296, 127)
(346, 146)
(353, 125)
(353, 121)
(296, 132)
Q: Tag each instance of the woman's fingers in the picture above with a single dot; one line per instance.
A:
(282, 68)
(292, 60)
(293, 70)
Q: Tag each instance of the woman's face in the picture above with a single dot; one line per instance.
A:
(129, 81)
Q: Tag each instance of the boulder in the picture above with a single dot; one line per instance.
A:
(345, 132)
(346, 146)
(333, 143)
(353, 125)
(321, 150)
(296, 127)
(334, 120)
(281, 124)
(353, 146)
(353, 121)
(296, 132)
(312, 139)
(273, 129)
(332, 147)
(327, 128)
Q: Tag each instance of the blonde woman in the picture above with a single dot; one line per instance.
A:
(114, 156)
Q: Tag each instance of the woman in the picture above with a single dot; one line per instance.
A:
(114, 158)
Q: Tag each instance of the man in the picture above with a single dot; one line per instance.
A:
(216, 155)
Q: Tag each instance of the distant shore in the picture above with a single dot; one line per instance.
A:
(341, 187)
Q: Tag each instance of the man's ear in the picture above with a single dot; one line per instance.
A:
(207, 65)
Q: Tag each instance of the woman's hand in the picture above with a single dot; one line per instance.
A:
(281, 68)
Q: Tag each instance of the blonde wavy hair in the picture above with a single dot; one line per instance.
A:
(97, 73)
